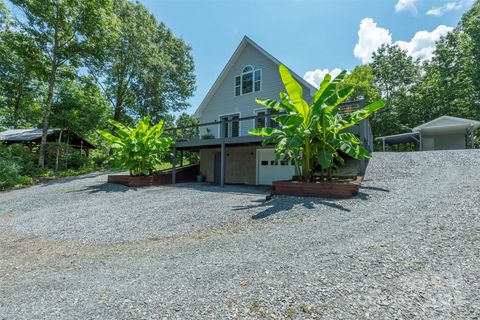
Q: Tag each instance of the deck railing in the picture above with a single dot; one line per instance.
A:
(194, 132)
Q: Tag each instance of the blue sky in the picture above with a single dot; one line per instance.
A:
(306, 35)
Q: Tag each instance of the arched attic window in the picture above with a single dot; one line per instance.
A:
(249, 81)
(247, 69)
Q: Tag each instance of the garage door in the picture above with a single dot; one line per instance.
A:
(269, 169)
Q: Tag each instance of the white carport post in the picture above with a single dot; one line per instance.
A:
(383, 144)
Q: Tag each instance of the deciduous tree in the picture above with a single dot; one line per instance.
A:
(61, 32)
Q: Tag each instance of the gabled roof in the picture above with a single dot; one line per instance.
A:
(243, 44)
(452, 122)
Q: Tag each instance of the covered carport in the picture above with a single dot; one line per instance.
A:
(402, 138)
(448, 133)
(443, 133)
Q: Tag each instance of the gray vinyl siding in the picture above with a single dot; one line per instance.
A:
(224, 100)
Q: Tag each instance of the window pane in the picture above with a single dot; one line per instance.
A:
(247, 68)
(264, 163)
(247, 83)
(237, 80)
(225, 130)
(237, 90)
(257, 75)
(260, 121)
(257, 86)
(272, 122)
(235, 126)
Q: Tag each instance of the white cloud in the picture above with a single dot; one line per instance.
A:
(315, 77)
(450, 6)
(370, 38)
(404, 5)
(422, 44)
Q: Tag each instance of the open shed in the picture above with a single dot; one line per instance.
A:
(32, 137)
(443, 133)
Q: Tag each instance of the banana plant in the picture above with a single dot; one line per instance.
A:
(141, 149)
(313, 135)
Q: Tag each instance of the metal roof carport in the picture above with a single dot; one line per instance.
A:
(413, 137)
(443, 126)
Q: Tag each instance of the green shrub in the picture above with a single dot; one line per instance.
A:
(141, 149)
(10, 175)
(22, 157)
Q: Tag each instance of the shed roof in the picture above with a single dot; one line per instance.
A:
(447, 123)
(34, 135)
(19, 135)
(400, 138)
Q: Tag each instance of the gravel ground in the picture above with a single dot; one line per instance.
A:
(407, 247)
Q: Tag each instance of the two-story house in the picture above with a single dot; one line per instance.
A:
(228, 154)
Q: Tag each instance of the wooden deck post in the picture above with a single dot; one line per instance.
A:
(222, 155)
(472, 136)
(363, 133)
(174, 158)
(420, 141)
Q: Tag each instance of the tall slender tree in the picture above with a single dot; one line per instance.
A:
(395, 74)
(20, 89)
(62, 32)
(143, 69)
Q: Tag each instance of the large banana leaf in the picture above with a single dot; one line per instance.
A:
(140, 149)
(314, 131)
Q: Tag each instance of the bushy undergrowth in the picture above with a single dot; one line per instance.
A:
(18, 165)
(10, 175)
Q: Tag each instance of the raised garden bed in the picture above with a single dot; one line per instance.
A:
(184, 174)
(342, 188)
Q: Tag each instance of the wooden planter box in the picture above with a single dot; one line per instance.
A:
(184, 174)
(317, 189)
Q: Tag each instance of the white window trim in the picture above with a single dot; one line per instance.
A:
(230, 127)
(248, 65)
(253, 81)
(261, 80)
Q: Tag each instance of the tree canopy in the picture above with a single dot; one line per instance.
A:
(74, 64)
(416, 91)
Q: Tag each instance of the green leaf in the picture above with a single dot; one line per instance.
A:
(142, 150)
(269, 103)
(294, 90)
(357, 116)
(324, 158)
(264, 132)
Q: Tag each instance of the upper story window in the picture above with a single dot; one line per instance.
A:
(264, 119)
(249, 81)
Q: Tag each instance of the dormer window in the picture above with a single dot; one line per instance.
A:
(249, 81)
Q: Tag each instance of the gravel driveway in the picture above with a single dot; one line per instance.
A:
(407, 247)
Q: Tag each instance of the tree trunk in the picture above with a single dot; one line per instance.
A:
(16, 109)
(57, 159)
(48, 104)
(46, 116)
